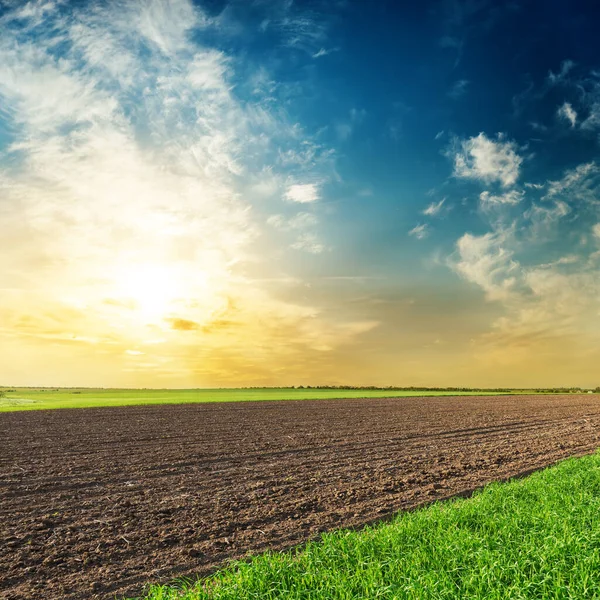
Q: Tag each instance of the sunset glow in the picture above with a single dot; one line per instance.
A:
(272, 193)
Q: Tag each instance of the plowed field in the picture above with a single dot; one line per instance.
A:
(97, 502)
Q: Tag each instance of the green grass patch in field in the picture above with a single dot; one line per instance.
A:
(535, 538)
(43, 398)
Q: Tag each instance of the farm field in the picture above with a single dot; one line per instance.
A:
(528, 538)
(100, 502)
(17, 399)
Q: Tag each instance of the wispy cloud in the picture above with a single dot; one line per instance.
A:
(324, 52)
(487, 261)
(580, 183)
(567, 113)
(420, 231)
(302, 226)
(458, 89)
(309, 243)
(130, 171)
(435, 208)
(510, 197)
(565, 68)
(345, 128)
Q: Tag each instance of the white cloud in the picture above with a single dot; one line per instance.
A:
(324, 52)
(580, 183)
(487, 160)
(510, 197)
(567, 112)
(544, 218)
(165, 24)
(302, 193)
(487, 261)
(596, 230)
(309, 243)
(434, 208)
(420, 231)
(300, 221)
(129, 180)
(301, 226)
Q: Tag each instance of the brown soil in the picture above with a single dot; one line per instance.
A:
(97, 502)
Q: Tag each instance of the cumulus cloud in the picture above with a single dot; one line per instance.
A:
(487, 160)
(567, 113)
(302, 193)
(544, 307)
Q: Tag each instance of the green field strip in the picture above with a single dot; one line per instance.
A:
(532, 538)
(22, 399)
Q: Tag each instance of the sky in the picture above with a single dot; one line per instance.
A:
(285, 192)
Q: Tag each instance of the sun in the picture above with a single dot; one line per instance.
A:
(152, 289)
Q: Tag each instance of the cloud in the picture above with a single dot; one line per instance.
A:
(420, 231)
(132, 179)
(458, 89)
(565, 67)
(487, 160)
(324, 52)
(309, 243)
(592, 121)
(344, 129)
(302, 225)
(547, 310)
(487, 261)
(567, 112)
(510, 197)
(183, 324)
(434, 208)
(300, 221)
(581, 183)
(303, 193)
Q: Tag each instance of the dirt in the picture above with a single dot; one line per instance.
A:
(96, 503)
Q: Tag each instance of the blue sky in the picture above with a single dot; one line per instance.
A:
(282, 193)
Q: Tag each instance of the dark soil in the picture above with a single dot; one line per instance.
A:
(95, 503)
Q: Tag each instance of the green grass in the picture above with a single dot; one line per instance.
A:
(37, 399)
(535, 538)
